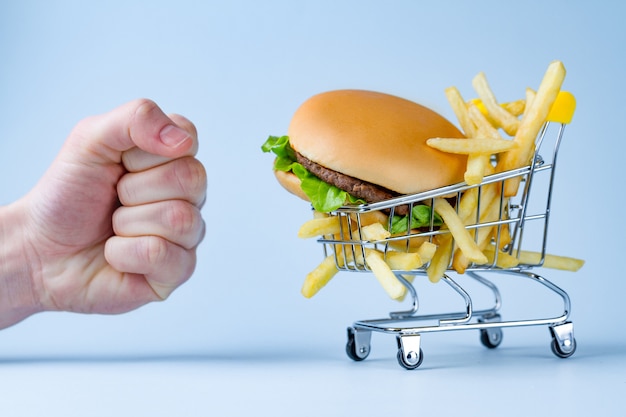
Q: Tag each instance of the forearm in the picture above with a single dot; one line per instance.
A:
(17, 293)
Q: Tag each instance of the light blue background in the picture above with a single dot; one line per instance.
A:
(238, 336)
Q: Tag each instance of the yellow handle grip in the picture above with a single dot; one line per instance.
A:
(563, 108)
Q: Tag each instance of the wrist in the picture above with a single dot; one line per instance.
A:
(18, 296)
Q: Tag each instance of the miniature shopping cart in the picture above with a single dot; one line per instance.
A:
(523, 217)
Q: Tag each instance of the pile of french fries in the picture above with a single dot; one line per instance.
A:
(498, 137)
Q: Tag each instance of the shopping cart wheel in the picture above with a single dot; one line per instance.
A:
(491, 338)
(410, 354)
(411, 360)
(563, 342)
(358, 345)
(558, 350)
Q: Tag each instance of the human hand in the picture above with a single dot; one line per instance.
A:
(115, 221)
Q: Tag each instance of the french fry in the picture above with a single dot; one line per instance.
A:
(506, 260)
(471, 146)
(484, 128)
(319, 227)
(503, 260)
(468, 213)
(441, 259)
(407, 261)
(319, 277)
(502, 233)
(419, 244)
(478, 105)
(403, 261)
(324, 224)
(350, 254)
(469, 203)
(516, 108)
(481, 235)
(467, 206)
(460, 110)
(502, 117)
(385, 276)
(369, 217)
(426, 251)
(407, 244)
(530, 96)
(505, 236)
(551, 261)
(459, 262)
(374, 232)
(532, 121)
(462, 237)
(490, 194)
(479, 163)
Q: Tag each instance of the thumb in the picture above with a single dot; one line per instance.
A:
(137, 124)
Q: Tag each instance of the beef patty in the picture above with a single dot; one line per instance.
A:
(364, 190)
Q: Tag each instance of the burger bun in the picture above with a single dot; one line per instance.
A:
(378, 138)
(291, 183)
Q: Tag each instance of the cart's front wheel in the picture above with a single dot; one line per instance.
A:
(559, 351)
(412, 360)
(563, 343)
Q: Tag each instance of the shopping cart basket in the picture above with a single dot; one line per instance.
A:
(524, 217)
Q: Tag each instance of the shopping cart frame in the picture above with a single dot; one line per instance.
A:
(516, 214)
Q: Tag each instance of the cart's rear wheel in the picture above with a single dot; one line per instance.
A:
(558, 350)
(413, 359)
(351, 351)
(491, 338)
(351, 347)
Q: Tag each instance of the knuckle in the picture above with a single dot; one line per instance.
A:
(182, 218)
(155, 250)
(117, 220)
(142, 112)
(143, 107)
(125, 192)
(191, 178)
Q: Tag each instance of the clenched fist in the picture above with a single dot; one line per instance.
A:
(114, 222)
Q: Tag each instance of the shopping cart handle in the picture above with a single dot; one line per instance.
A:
(563, 108)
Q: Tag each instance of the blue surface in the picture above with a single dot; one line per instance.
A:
(238, 337)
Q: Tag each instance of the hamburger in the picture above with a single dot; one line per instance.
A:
(356, 147)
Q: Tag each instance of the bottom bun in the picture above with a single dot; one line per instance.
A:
(291, 183)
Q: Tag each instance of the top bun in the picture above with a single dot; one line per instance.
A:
(378, 138)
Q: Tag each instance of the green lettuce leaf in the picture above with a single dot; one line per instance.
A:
(420, 217)
(279, 146)
(324, 197)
